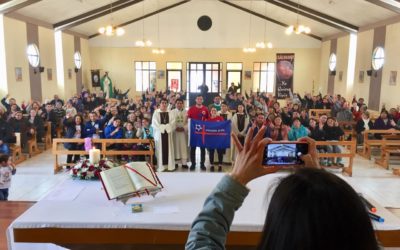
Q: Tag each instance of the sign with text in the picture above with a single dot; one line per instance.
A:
(207, 134)
(284, 75)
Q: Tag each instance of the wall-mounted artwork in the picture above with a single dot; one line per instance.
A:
(160, 74)
(18, 74)
(49, 74)
(69, 73)
(340, 76)
(247, 75)
(361, 76)
(393, 78)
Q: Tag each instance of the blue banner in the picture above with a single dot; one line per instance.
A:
(215, 135)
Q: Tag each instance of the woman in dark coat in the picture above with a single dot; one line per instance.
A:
(74, 128)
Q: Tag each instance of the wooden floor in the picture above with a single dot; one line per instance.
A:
(9, 211)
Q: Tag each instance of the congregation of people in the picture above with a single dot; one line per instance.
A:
(162, 116)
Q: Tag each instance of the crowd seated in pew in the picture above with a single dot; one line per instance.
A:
(324, 118)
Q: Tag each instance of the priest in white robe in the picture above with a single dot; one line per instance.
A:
(181, 134)
(163, 124)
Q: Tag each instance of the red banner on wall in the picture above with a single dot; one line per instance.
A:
(284, 75)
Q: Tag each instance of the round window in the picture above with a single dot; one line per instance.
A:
(332, 62)
(78, 60)
(32, 52)
(378, 58)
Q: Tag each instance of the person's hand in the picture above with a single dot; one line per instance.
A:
(310, 159)
(248, 164)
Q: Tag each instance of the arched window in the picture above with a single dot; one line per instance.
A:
(78, 60)
(332, 62)
(378, 58)
(32, 52)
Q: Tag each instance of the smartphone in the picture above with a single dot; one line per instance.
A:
(284, 153)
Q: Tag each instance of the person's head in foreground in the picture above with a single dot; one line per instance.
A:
(310, 209)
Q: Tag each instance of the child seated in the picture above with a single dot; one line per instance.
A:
(7, 169)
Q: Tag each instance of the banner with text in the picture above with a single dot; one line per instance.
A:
(284, 75)
(215, 135)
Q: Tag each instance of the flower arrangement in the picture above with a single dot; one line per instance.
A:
(85, 170)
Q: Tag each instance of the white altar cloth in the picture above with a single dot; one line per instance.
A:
(85, 205)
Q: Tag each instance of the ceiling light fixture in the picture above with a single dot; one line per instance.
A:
(110, 30)
(158, 51)
(249, 49)
(144, 42)
(264, 44)
(297, 29)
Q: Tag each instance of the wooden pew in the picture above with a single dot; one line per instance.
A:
(316, 113)
(388, 148)
(369, 143)
(56, 151)
(349, 146)
(345, 126)
(16, 151)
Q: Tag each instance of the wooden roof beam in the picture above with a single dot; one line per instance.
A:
(265, 17)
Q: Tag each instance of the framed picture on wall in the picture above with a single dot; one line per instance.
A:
(69, 73)
(340, 76)
(160, 74)
(361, 76)
(18, 74)
(393, 78)
(247, 75)
(49, 74)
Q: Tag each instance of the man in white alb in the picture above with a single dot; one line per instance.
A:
(181, 134)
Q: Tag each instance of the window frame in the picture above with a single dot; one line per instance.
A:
(260, 71)
(143, 71)
(30, 56)
(378, 62)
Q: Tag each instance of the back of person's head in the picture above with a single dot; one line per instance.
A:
(4, 158)
(313, 209)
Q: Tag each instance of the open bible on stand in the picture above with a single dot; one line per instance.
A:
(129, 180)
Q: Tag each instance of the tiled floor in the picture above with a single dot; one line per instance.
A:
(35, 178)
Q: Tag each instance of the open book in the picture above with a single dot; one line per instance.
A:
(131, 179)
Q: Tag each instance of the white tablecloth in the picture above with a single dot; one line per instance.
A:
(83, 204)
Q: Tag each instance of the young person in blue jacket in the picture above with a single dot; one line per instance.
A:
(310, 209)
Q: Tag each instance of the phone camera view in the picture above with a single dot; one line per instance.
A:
(284, 154)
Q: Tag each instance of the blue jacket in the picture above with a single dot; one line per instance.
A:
(110, 129)
(210, 228)
(297, 133)
(90, 129)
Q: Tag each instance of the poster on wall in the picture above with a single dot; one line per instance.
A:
(49, 74)
(284, 75)
(175, 85)
(18, 74)
(393, 78)
(95, 78)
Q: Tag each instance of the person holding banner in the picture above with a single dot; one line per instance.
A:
(214, 117)
(163, 124)
(180, 134)
(198, 112)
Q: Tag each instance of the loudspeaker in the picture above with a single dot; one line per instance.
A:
(369, 72)
(204, 23)
(332, 73)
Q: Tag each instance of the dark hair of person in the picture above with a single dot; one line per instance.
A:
(314, 209)
(4, 158)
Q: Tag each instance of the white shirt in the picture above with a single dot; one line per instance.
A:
(5, 177)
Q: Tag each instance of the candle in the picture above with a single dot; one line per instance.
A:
(94, 155)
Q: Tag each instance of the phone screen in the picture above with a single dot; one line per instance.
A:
(284, 154)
